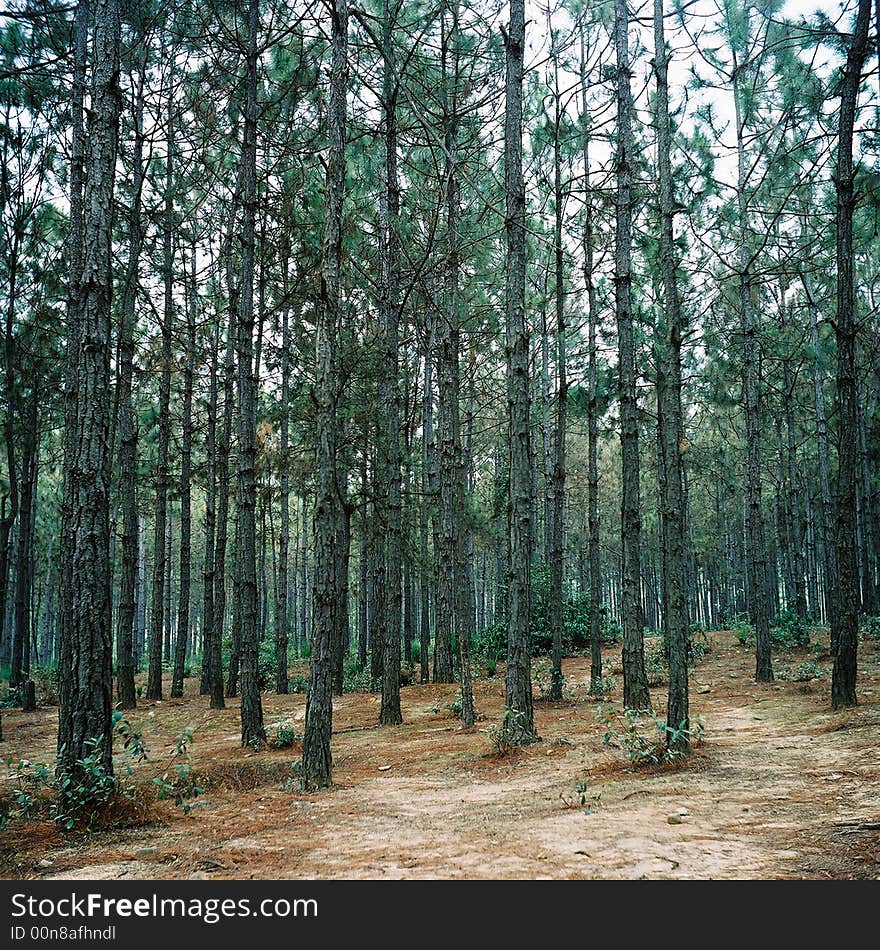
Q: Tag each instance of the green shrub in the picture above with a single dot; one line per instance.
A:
(355, 679)
(745, 635)
(788, 631)
(643, 735)
(285, 735)
(655, 667)
(870, 626)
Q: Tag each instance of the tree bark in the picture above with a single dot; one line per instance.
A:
(557, 519)
(181, 645)
(670, 417)
(160, 540)
(252, 731)
(519, 721)
(85, 713)
(756, 545)
(635, 683)
(592, 407)
(845, 618)
(317, 760)
(127, 422)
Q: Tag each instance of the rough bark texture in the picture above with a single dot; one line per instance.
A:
(127, 424)
(389, 393)
(826, 514)
(519, 722)
(756, 545)
(160, 538)
(670, 417)
(453, 473)
(281, 611)
(557, 520)
(317, 761)
(635, 683)
(845, 618)
(85, 713)
(592, 408)
(252, 730)
(186, 445)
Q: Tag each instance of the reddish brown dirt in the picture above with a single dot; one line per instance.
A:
(778, 788)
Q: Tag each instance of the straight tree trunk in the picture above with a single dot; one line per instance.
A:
(672, 501)
(389, 393)
(21, 634)
(210, 524)
(85, 712)
(252, 731)
(635, 683)
(557, 519)
(756, 550)
(519, 720)
(67, 685)
(160, 540)
(592, 408)
(183, 603)
(127, 423)
(427, 488)
(317, 760)
(845, 617)
(281, 612)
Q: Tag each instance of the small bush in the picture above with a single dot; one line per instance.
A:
(806, 672)
(870, 626)
(285, 736)
(604, 686)
(355, 679)
(745, 635)
(643, 735)
(788, 631)
(655, 667)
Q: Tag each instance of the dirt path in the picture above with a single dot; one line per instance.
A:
(766, 794)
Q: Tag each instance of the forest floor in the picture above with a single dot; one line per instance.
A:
(779, 787)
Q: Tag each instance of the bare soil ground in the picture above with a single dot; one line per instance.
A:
(779, 787)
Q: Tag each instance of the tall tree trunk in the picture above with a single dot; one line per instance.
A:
(183, 597)
(67, 685)
(452, 555)
(85, 713)
(635, 683)
(21, 634)
(281, 611)
(427, 488)
(845, 618)
(317, 761)
(252, 730)
(796, 532)
(557, 519)
(127, 422)
(592, 407)
(519, 719)
(672, 501)
(210, 524)
(160, 539)
(756, 553)
(389, 394)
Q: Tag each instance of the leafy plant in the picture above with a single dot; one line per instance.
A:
(355, 679)
(285, 735)
(870, 626)
(178, 784)
(84, 790)
(645, 737)
(745, 635)
(501, 735)
(789, 630)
